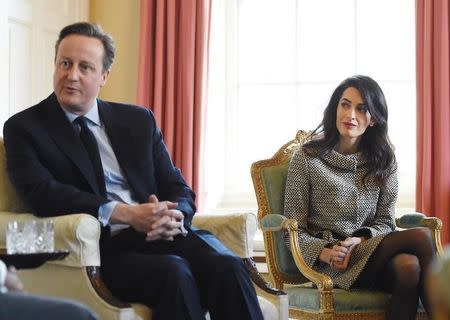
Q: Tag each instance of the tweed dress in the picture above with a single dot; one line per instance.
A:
(328, 198)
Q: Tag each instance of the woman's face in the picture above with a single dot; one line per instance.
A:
(352, 117)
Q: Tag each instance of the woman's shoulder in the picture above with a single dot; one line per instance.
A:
(306, 155)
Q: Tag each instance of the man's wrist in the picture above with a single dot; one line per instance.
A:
(120, 214)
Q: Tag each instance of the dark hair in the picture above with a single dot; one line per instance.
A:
(90, 30)
(374, 145)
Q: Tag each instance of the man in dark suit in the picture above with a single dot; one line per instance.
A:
(74, 153)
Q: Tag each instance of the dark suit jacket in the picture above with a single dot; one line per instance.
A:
(51, 170)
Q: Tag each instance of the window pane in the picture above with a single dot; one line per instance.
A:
(284, 59)
(326, 39)
(263, 120)
(266, 41)
(385, 37)
(312, 101)
(402, 131)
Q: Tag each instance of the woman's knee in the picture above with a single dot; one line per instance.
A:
(406, 268)
(422, 236)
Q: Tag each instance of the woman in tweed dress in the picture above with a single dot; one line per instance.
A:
(342, 187)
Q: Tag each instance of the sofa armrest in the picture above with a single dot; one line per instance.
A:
(235, 230)
(78, 233)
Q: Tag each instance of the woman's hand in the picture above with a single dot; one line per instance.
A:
(12, 281)
(334, 255)
(350, 243)
(338, 255)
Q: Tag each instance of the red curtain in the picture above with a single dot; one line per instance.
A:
(172, 78)
(433, 110)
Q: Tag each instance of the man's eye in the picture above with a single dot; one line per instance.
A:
(85, 67)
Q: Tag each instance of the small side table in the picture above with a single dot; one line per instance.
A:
(31, 260)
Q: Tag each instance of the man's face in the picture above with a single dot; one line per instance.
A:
(79, 73)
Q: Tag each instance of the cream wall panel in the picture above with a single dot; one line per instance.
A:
(20, 65)
(28, 30)
(4, 70)
(120, 19)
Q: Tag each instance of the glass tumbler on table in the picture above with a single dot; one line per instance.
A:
(33, 236)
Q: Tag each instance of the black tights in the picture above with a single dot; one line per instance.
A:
(399, 266)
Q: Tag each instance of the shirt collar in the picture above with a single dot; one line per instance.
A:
(92, 114)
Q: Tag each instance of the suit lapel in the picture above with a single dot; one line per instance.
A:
(62, 132)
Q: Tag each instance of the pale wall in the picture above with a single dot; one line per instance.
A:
(120, 18)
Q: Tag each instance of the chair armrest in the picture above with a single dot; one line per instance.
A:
(235, 230)
(410, 220)
(273, 222)
(417, 219)
(277, 223)
(78, 233)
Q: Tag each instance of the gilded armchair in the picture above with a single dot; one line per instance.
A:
(311, 294)
(78, 276)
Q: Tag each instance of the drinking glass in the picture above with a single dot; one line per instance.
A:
(45, 236)
(30, 236)
(20, 237)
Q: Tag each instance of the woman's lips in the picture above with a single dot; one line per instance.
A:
(349, 125)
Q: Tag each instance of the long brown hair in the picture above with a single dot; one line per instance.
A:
(375, 144)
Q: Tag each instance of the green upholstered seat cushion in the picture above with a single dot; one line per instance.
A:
(307, 298)
(355, 300)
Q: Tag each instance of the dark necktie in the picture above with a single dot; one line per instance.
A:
(90, 143)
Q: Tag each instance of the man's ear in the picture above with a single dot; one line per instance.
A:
(105, 76)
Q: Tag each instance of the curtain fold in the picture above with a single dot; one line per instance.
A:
(433, 110)
(172, 78)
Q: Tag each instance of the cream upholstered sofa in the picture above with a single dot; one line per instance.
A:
(78, 275)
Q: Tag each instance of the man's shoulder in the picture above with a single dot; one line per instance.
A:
(124, 109)
(30, 113)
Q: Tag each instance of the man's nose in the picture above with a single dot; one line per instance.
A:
(72, 73)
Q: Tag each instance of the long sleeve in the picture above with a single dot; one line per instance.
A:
(330, 199)
(171, 184)
(38, 171)
(384, 220)
(297, 206)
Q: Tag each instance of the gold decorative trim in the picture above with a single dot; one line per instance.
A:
(283, 155)
(435, 224)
